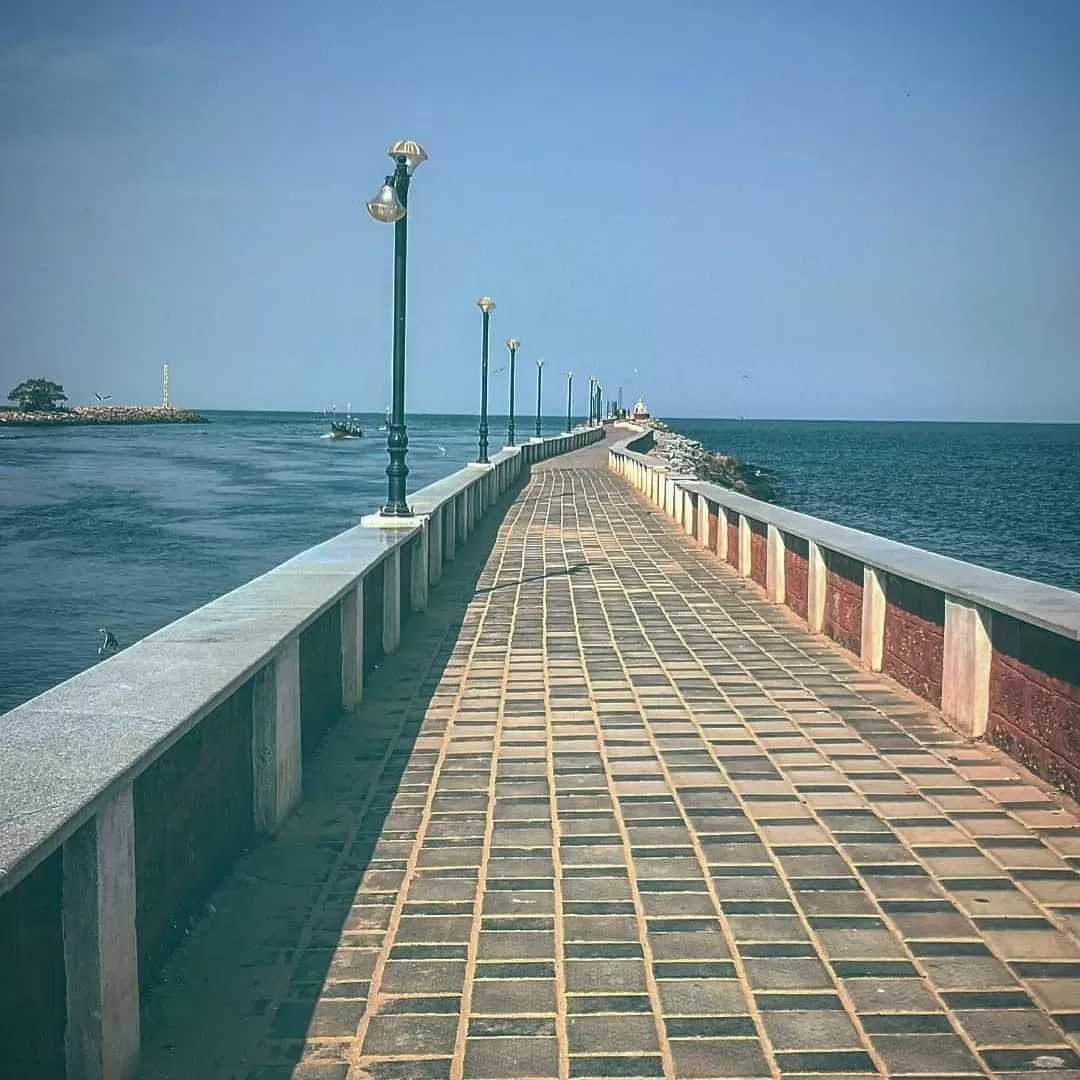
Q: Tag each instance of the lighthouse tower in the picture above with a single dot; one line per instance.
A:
(165, 387)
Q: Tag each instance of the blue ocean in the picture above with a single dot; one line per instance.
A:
(132, 527)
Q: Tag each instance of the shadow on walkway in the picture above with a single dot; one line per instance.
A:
(577, 568)
(290, 919)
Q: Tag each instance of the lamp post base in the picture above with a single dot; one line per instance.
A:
(382, 520)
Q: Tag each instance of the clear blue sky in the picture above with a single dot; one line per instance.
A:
(872, 209)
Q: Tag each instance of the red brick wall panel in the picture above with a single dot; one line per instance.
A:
(33, 1007)
(1062, 773)
(320, 677)
(914, 646)
(1035, 698)
(796, 573)
(405, 582)
(733, 540)
(714, 527)
(193, 816)
(843, 600)
(373, 618)
(759, 551)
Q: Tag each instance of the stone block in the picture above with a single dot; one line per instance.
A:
(872, 641)
(275, 733)
(815, 594)
(100, 950)
(775, 565)
(965, 675)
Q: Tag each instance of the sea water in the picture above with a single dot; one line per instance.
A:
(134, 526)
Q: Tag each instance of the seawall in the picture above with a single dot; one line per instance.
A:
(102, 414)
(997, 654)
(127, 791)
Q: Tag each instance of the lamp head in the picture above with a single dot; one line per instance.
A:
(486, 304)
(386, 206)
(540, 361)
(513, 344)
(412, 152)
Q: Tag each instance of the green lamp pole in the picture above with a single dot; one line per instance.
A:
(390, 206)
(569, 398)
(487, 306)
(513, 345)
(539, 384)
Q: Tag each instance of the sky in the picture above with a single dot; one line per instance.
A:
(871, 210)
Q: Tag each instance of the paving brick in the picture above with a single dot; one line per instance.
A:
(746, 823)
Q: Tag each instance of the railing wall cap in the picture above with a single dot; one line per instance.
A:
(68, 750)
(1046, 606)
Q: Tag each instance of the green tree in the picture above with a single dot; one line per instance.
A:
(38, 395)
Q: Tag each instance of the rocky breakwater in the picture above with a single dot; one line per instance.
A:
(103, 414)
(689, 457)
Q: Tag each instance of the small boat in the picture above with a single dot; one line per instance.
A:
(344, 429)
(385, 425)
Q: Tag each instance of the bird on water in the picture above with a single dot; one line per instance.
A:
(109, 644)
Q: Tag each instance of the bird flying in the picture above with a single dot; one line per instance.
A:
(100, 398)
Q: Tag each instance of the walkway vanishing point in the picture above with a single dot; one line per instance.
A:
(609, 813)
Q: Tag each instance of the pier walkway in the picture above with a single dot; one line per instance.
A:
(609, 813)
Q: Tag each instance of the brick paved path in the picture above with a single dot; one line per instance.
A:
(610, 814)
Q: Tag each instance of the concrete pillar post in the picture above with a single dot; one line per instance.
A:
(352, 646)
(872, 643)
(275, 733)
(703, 521)
(391, 636)
(690, 503)
(101, 1041)
(745, 548)
(418, 576)
(722, 532)
(817, 576)
(677, 496)
(965, 675)
(775, 577)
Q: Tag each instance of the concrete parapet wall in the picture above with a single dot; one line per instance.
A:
(127, 791)
(999, 655)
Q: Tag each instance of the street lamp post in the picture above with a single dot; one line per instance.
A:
(390, 206)
(513, 345)
(487, 306)
(539, 384)
(569, 398)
